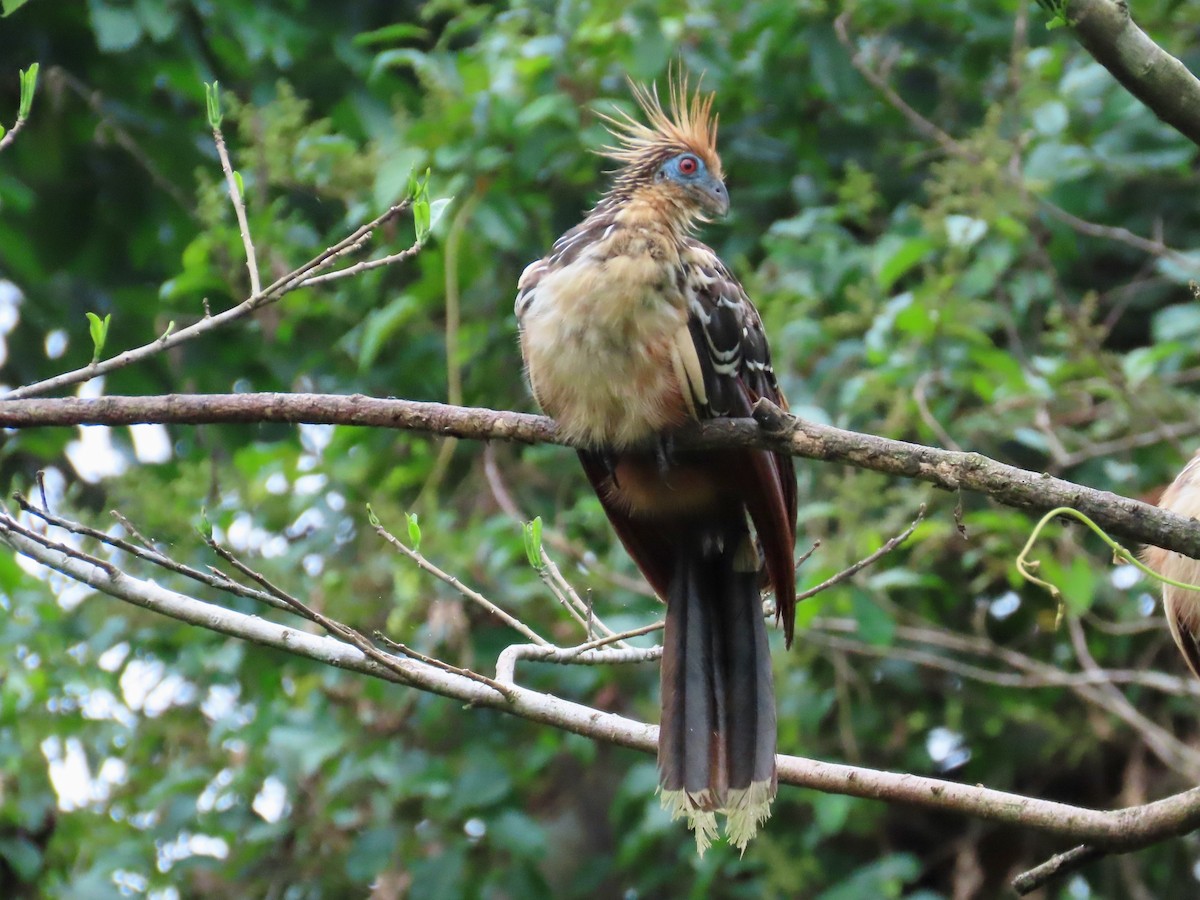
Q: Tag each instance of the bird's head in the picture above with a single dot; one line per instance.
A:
(674, 156)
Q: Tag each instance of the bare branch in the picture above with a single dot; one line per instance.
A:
(506, 663)
(364, 266)
(1143, 68)
(950, 470)
(239, 209)
(1054, 868)
(581, 611)
(472, 595)
(11, 134)
(147, 553)
(270, 294)
(1027, 672)
(890, 545)
(1115, 831)
(494, 684)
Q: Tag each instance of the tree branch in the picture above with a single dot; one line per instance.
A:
(1054, 868)
(950, 470)
(239, 208)
(1145, 69)
(1114, 831)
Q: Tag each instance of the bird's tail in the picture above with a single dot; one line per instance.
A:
(716, 745)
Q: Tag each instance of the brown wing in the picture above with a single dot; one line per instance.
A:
(736, 360)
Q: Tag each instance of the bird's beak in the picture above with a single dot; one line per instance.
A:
(714, 196)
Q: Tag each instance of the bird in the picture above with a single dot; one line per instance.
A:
(1181, 606)
(631, 329)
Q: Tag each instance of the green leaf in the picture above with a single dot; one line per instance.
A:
(830, 812)
(28, 87)
(372, 518)
(437, 209)
(205, 528)
(212, 100)
(421, 218)
(382, 324)
(894, 257)
(886, 877)
(11, 6)
(418, 187)
(372, 851)
(418, 193)
(392, 34)
(117, 28)
(518, 833)
(241, 186)
(414, 530)
(23, 856)
(533, 542)
(1178, 322)
(875, 625)
(99, 330)
(544, 108)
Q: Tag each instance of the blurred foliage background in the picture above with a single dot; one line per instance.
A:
(967, 290)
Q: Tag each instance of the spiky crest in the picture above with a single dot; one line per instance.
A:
(688, 125)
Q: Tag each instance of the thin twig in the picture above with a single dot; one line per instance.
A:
(1162, 743)
(270, 294)
(149, 554)
(474, 596)
(11, 134)
(1054, 868)
(133, 532)
(364, 266)
(454, 379)
(239, 208)
(11, 524)
(345, 632)
(506, 663)
(1164, 432)
(804, 557)
(1035, 675)
(495, 684)
(890, 545)
(922, 400)
(552, 536)
(566, 594)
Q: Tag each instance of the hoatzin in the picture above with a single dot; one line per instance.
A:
(631, 328)
(1182, 607)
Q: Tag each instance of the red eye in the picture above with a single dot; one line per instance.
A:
(688, 165)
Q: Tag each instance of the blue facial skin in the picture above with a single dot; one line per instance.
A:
(708, 191)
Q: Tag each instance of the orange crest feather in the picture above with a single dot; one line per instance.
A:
(687, 125)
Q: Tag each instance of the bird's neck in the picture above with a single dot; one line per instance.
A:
(653, 209)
